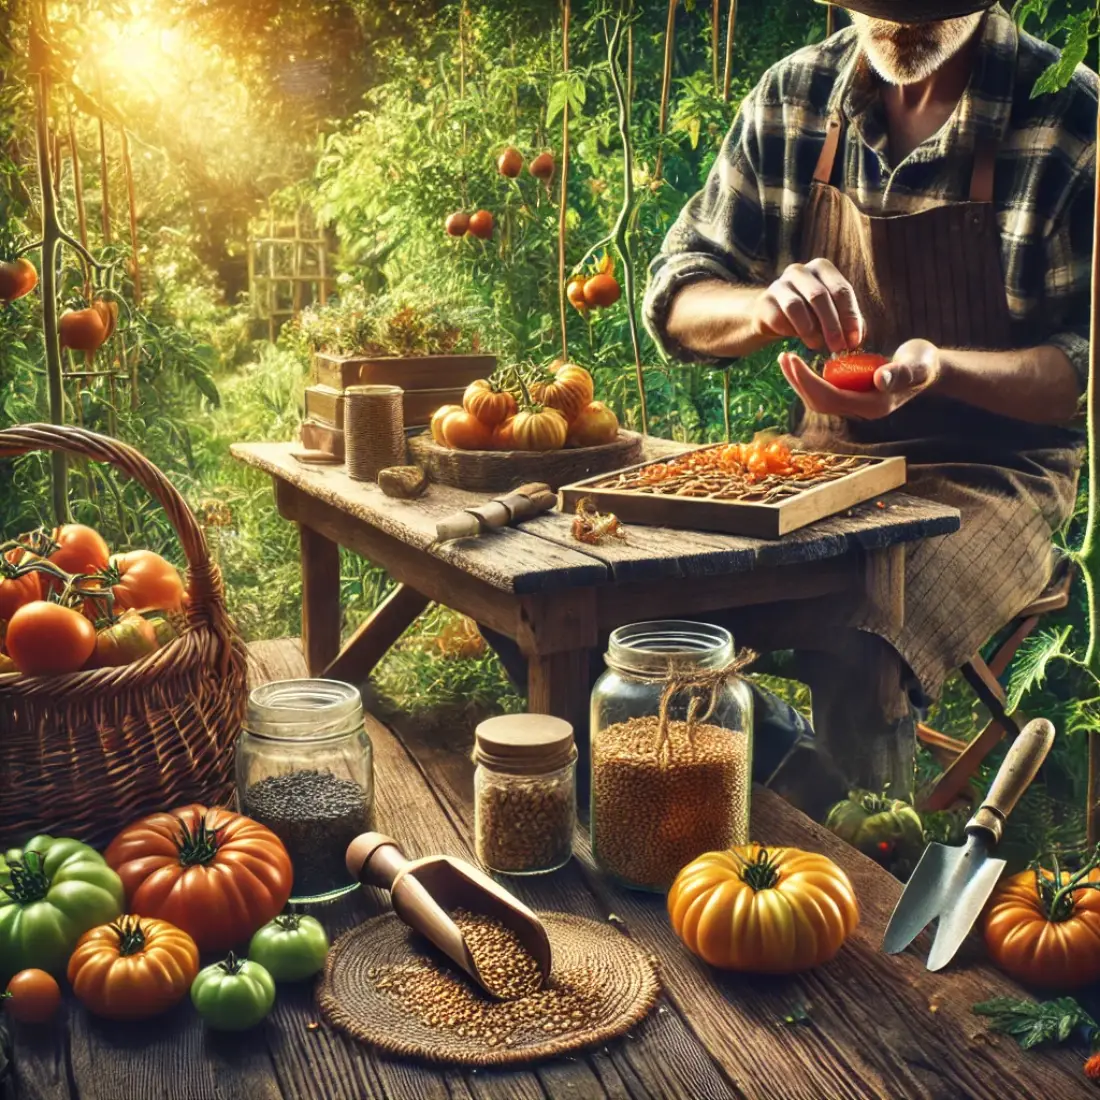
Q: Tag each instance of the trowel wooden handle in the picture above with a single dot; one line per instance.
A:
(375, 859)
(1020, 766)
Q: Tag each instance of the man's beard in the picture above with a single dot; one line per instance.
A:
(907, 53)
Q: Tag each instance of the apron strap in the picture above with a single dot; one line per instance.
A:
(981, 180)
(823, 173)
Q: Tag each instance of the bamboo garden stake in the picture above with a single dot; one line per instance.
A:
(564, 206)
(666, 84)
(730, 27)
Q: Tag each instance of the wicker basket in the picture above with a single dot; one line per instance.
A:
(84, 754)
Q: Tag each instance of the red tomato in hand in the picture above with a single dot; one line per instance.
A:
(79, 549)
(15, 591)
(854, 372)
(33, 997)
(46, 639)
(146, 582)
(217, 875)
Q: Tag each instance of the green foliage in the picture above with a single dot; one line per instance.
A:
(1038, 1023)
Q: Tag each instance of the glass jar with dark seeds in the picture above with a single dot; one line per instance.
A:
(305, 770)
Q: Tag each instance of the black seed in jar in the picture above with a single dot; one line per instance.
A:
(316, 815)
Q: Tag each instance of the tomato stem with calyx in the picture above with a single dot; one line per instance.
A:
(231, 964)
(28, 881)
(1057, 897)
(131, 936)
(197, 848)
(762, 873)
(289, 922)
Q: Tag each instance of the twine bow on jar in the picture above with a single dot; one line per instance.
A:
(706, 685)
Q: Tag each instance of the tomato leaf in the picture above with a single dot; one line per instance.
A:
(1033, 659)
(1079, 29)
(1037, 1023)
(568, 90)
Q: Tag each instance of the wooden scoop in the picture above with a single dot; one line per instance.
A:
(424, 892)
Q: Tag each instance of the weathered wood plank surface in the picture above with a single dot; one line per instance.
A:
(511, 560)
(509, 557)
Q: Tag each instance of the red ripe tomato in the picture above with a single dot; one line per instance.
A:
(854, 372)
(33, 997)
(144, 581)
(82, 329)
(17, 279)
(602, 290)
(457, 224)
(16, 590)
(46, 639)
(80, 549)
(217, 875)
(575, 293)
(542, 167)
(482, 224)
(510, 163)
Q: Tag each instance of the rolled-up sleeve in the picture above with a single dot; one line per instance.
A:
(1068, 288)
(719, 233)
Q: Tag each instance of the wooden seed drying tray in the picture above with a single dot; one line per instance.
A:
(869, 479)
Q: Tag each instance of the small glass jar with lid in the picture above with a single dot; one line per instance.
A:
(305, 770)
(671, 727)
(525, 801)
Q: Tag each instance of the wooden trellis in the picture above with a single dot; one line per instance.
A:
(287, 268)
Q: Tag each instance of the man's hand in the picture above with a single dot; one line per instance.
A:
(916, 366)
(814, 303)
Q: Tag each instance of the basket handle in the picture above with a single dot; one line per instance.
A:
(207, 596)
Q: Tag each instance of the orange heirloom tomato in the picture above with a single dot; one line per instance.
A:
(217, 875)
(16, 589)
(46, 639)
(602, 290)
(575, 293)
(596, 424)
(763, 910)
(1043, 928)
(144, 581)
(488, 402)
(78, 549)
(133, 969)
(539, 429)
(567, 388)
(504, 435)
(464, 432)
(438, 417)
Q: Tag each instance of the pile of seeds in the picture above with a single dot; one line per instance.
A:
(438, 996)
(316, 815)
(657, 805)
(524, 825)
(506, 967)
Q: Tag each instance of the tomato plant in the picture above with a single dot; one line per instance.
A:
(51, 892)
(32, 997)
(133, 969)
(291, 947)
(46, 639)
(217, 875)
(233, 995)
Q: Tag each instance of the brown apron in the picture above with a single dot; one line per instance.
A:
(937, 275)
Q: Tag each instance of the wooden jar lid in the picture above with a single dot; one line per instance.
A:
(524, 744)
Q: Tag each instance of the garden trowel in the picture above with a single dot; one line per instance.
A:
(953, 884)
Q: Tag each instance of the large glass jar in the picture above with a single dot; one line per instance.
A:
(305, 770)
(671, 751)
(525, 796)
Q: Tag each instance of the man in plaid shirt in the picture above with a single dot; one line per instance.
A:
(899, 188)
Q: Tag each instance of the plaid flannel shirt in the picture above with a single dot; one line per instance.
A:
(743, 226)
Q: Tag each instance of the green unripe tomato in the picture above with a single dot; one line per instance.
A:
(291, 947)
(51, 892)
(233, 995)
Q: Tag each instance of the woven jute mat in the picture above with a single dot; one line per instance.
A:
(624, 984)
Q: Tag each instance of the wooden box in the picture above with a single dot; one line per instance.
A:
(428, 372)
(325, 405)
(733, 517)
(501, 471)
(323, 437)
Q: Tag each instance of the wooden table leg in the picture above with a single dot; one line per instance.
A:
(320, 599)
(560, 684)
(370, 643)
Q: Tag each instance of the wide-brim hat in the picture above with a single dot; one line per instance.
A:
(915, 11)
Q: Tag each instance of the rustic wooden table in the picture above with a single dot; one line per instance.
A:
(876, 1026)
(556, 597)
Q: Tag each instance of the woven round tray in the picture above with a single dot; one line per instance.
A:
(501, 471)
(350, 1001)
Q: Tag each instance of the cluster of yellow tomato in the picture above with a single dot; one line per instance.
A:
(555, 407)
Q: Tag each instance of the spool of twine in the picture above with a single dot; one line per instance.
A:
(374, 430)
